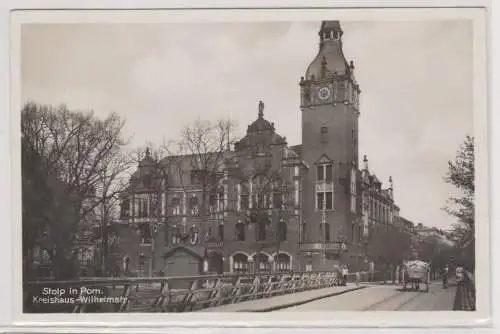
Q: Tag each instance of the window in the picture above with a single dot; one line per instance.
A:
(324, 173)
(142, 208)
(193, 205)
(176, 235)
(125, 209)
(240, 263)
(324, 130)
(244, 196)
(320, 173)
(221, 232)
(261, 231)
(329, 173)
(282, 262)
(324, 200)
(176, 206)
(220, 199)
(240, 232)
(282, 229)
(325, 232)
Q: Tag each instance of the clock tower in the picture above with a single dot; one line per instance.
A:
(330, 111)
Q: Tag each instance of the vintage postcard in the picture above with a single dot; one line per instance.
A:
(252, 161)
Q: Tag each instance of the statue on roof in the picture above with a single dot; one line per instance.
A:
(261, 109)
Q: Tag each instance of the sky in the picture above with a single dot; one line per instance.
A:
(416, 80)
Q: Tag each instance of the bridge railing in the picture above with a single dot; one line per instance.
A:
(167, 294)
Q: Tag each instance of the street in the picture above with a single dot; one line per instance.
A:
(384, 298)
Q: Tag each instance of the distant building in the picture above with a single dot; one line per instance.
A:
(424, 232)
(268, 206)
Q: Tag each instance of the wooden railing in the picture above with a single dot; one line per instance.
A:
(166, 294)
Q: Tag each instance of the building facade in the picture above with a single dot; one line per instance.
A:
(265, 205)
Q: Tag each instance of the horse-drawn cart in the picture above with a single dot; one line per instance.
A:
(416, 272)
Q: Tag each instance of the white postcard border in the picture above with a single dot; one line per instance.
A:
(313, 319)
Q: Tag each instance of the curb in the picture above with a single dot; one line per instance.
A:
(279, 307)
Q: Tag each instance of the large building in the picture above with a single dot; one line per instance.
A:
(265, 205)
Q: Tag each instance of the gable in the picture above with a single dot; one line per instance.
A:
(182, 252)
(324, 159)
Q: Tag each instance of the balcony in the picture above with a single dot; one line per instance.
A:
(329, 246)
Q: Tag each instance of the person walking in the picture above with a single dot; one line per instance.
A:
(459, 274)
(445, 276)
(345, 272)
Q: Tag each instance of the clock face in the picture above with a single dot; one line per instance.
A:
(324, 93)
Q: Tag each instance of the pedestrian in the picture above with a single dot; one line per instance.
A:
(358, 278)
(445, 276)
(459, 274)
(345, 272)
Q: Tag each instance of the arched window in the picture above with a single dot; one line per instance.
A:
(283, 262)
(240, 263)
(325, 232)
(263, 262)
(282, 230)
(240, 231)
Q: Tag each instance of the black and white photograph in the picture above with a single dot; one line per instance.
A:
(262, 165)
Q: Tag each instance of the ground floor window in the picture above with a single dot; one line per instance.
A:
(283, 262)
(240, 263)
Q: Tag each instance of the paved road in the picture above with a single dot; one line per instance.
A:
(384, 298)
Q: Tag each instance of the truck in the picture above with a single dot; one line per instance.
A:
(416, 272)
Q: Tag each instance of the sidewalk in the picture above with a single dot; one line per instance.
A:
(284, 301)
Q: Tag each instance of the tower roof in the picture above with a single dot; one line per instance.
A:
(330, 60)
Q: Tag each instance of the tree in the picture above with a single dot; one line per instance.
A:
(79, 167)
(205, 144)
(461, 175)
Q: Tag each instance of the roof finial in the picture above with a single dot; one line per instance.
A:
(365, 162)
(390, 182)
(261, 109)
